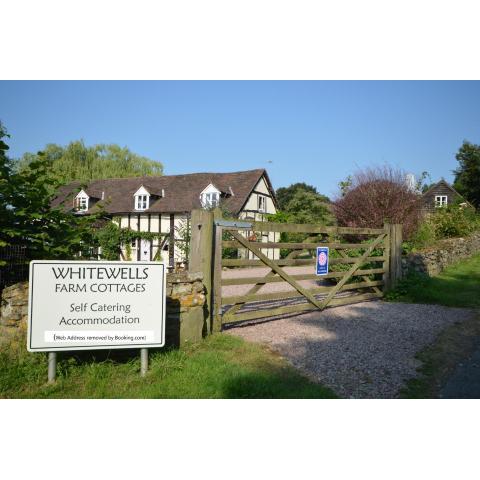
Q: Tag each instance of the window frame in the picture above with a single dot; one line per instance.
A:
(142, 202)
(262, 199)
(81, 203)
(210, 199)
(441, 201)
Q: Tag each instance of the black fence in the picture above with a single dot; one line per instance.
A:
(13, 265)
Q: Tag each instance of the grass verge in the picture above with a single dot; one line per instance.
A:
(221, 366)
(456, 286)
(439, 360)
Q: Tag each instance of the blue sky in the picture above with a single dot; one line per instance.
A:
(313, 131)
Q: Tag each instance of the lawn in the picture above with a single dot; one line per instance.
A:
(457, 286)
(221, 366)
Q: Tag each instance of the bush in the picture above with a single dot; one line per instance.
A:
(376, 196)
(447, 222)
(423, 237)
(454, 221)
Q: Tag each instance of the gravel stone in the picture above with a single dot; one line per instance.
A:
(365, 350)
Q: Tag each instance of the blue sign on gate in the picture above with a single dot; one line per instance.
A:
(322, 261)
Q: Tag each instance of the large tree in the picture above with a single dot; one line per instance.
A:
(26, 217)
(76, 161)
(467, 175)
(285, 194)
(301, 203)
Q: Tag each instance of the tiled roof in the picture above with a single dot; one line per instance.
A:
(182, 192)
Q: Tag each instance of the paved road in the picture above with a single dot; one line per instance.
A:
(465, 381)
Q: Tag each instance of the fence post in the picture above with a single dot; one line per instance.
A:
(217, 273)
(395, 254)
(201, 246)
(386, 264)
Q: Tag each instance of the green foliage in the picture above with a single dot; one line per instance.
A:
(454, 221)
(308, 207)
(354, 253)
(405, 286)
(457, 286)
(184, 235)
(76, 161)
(229, 252)
(27, 218)
(221, 366)
(301, 205)
(467, 175)
(421, 184)
(285, 194)
(345, 185)
(423, 237)
(111, 238)
(449, 221)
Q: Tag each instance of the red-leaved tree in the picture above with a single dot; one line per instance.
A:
(378, 195)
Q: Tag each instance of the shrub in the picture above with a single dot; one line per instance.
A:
(454, 221)
(378, 195)
(447, 222)
(424, 236)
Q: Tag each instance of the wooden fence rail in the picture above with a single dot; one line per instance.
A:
(371, 266)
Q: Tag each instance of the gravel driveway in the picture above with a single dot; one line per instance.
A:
(366, 350)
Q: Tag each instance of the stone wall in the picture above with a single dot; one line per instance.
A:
(14, 309)
(185, 315)
(186, 308)
(433, 260)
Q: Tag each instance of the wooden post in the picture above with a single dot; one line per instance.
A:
(201, 248)
(217, 280)
(217, 274)
(386, 264)
(395, 254)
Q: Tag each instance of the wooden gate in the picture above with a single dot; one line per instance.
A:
(363, 262)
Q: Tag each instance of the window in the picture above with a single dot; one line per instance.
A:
(141, 202)
(210, 199)
(81, 204)
(262, 202)
(441, 200)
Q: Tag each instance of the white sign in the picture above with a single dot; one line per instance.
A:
(95, 305)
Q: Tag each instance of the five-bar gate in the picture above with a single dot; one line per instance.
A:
(249, 278)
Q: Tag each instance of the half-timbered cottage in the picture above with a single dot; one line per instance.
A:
(163, 205)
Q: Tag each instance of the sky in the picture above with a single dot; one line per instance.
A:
(316, 132)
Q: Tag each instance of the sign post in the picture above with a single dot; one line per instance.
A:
(143, 361)
(52, 367)
(322, 261)
(93, 305)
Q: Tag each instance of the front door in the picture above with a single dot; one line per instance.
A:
(145, 250)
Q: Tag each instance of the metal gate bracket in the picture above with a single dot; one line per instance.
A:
(233, 224)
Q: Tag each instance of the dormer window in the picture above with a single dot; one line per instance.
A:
(210, 197)
(81, 201)
(142, 199)
(141, 202)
